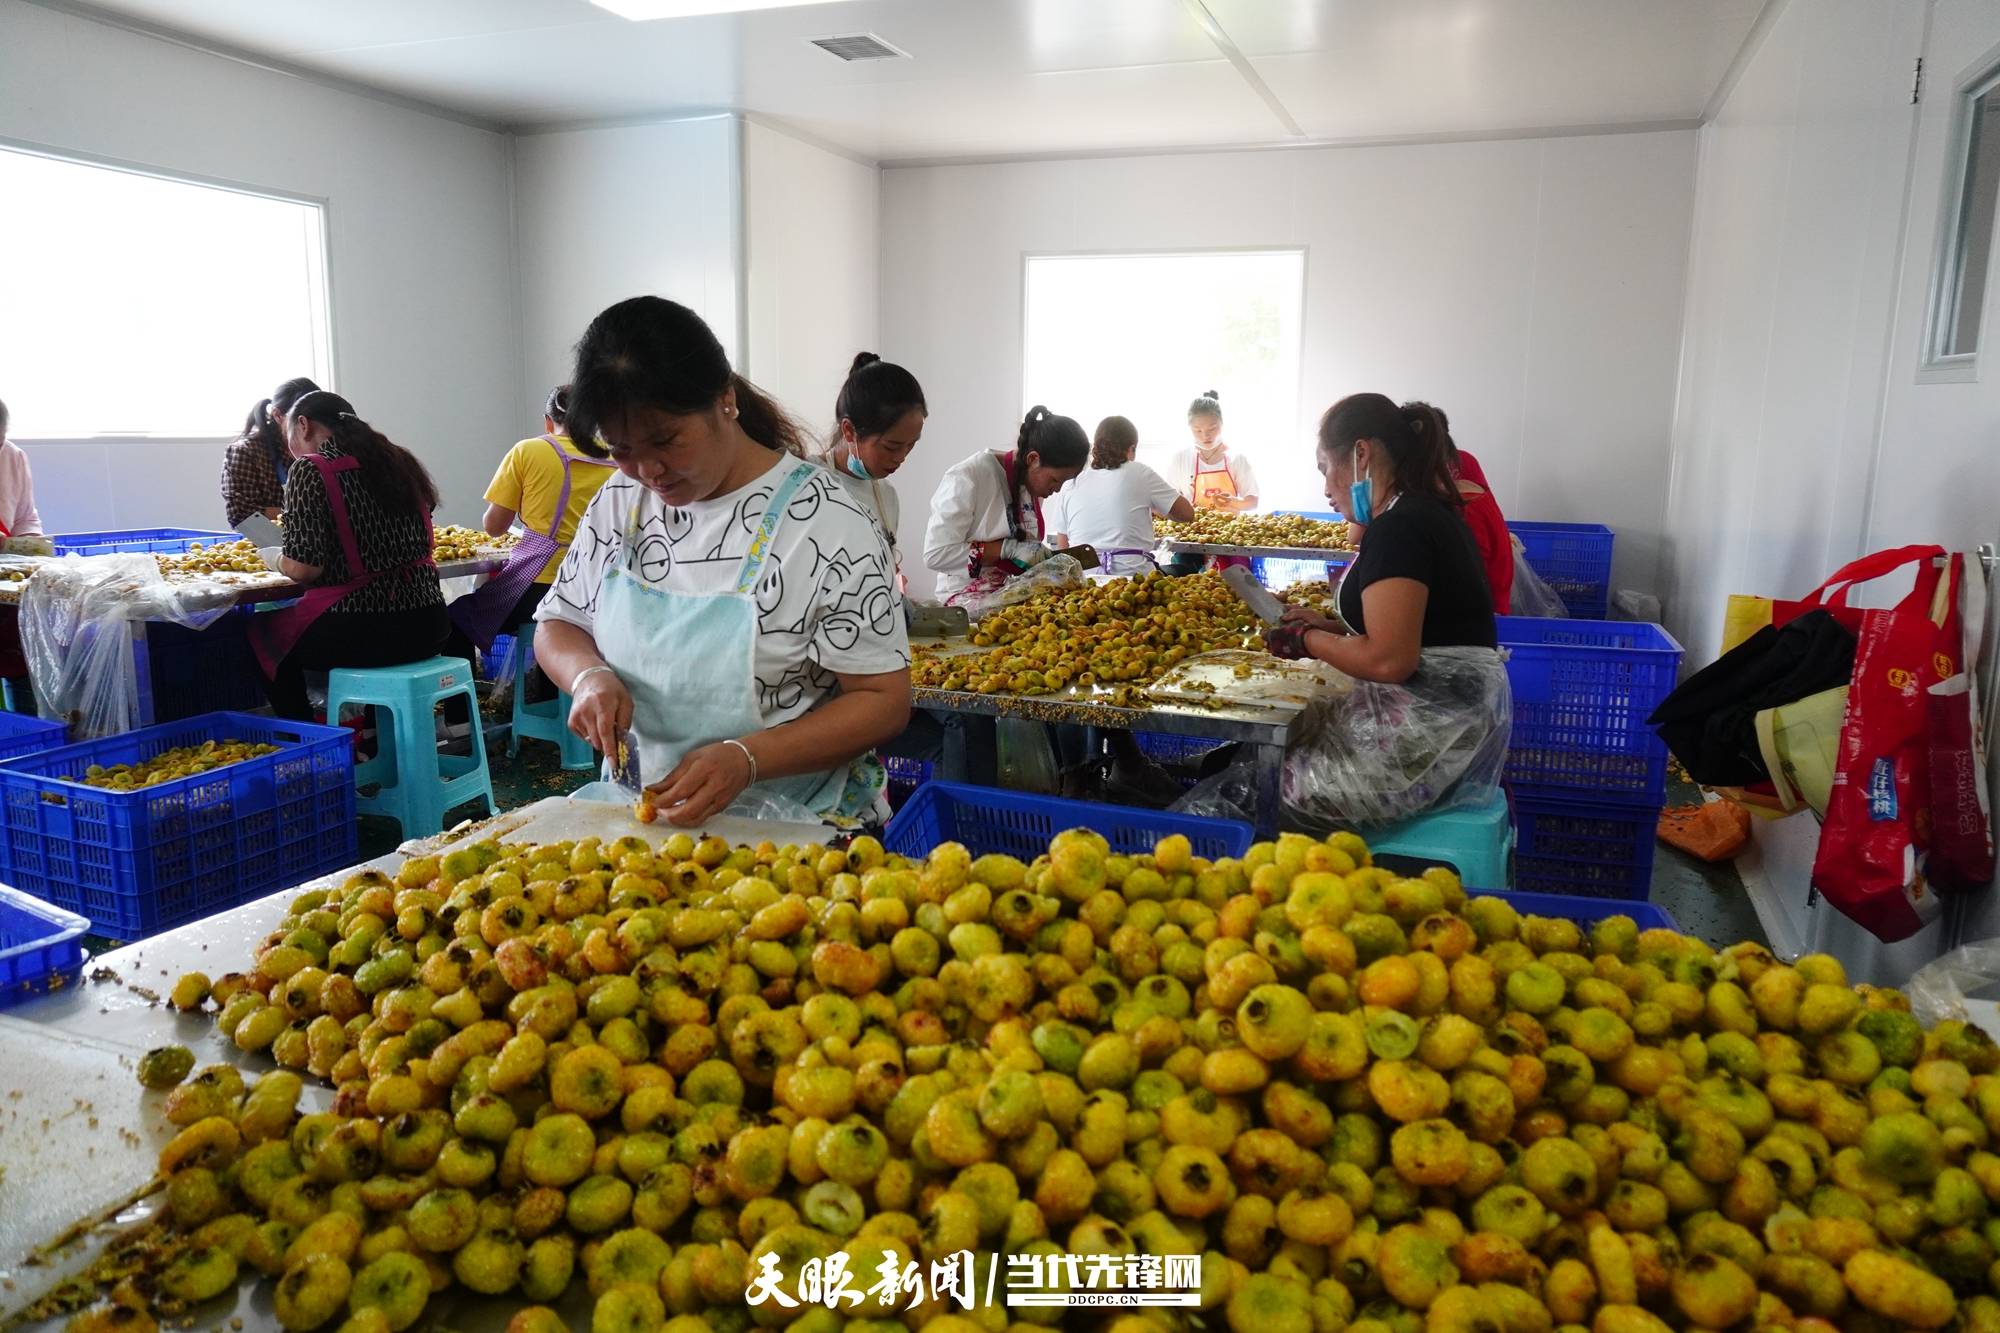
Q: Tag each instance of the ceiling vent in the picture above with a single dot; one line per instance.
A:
(859, 46)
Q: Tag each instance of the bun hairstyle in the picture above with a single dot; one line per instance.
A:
(1057, 441)
(556, 406)
(651, 353)
(1414, 436)
(1111, 448)
(398, 482)
(876, 396)
(1208, 405)
(265, 422)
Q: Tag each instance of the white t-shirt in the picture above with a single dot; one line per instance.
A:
(1235, 464)
(17, 492)
(826, 602)
(1113, 508)
(970, 506)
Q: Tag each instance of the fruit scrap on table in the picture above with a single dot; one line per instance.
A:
(181, 762)
(1212, 528)
(199, 561)
(1363, 1100)
(452, 542)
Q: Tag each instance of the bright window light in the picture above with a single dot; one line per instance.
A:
(138, 305)
(640, 10)
(1140, 336)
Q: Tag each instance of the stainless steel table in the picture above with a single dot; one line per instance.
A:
(1319, 553)
(78, 1133)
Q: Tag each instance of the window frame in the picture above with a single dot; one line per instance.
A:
(1936, 366)
(319, 267)
(1302, 310)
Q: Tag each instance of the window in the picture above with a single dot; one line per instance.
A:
(1141, 336)
(1964, 261)
(138, 305)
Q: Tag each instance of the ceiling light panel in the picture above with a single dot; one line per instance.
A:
(646, 10)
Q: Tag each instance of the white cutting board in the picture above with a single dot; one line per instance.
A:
(1270, 682)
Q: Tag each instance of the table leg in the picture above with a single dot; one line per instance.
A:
(1270, 761)
(142, 674)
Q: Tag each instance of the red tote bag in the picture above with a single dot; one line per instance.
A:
(1872, 847)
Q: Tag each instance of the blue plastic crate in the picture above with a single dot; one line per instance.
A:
(137, 862)
(1574, 559)
(124, 541)
(1584, 911)
(495, 658)
(1582, 849)
(197, 671)
(41, 947)
(1583, 690)
(24, 733)
(988, 820)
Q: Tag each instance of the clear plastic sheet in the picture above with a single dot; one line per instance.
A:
(995, 588)
(1628, 604)
(1940, 988)
(1532, 596)
(76, 615)
(1381, 753)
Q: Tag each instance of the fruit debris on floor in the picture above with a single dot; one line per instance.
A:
(668, 1070)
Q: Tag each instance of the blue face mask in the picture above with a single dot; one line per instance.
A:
(857, 467)
(1361, 500)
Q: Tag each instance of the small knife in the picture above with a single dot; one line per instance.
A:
(1263, 603)
(625, 764)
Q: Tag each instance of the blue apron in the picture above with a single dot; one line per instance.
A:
(689, 661)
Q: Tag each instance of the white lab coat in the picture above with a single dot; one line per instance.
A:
(970, 506)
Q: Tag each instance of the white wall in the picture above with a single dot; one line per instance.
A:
(420, 240)
(627, 211)
(812, 230)
(1531, 287)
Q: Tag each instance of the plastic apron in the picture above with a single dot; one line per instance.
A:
(689, 661)
(480, 613)
(986, 580)
(274, 635)
(1215, 483)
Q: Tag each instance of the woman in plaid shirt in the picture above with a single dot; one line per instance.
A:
(255, 468)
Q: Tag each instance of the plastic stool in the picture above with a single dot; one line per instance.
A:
(547, 721)
(413, 791)
(1474, 840)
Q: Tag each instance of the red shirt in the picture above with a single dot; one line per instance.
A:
(1489, 534)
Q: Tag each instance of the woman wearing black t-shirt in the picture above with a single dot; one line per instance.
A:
(1426, 722)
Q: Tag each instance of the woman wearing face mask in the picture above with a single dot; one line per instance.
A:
(1207, 474)
(257, 463)
(878, 419)
(724, 598)
(986, 518)
(358, 536)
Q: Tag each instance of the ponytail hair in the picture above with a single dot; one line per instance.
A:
(265, 422)
(393, 475)
(556, 406)
(1414, 436)
(1111, 448)
(649, 352)
(876, 396)
(1208, 405)
(1058, 441)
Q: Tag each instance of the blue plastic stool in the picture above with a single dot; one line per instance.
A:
(1474, 840)
(413, 790)
(547, 721)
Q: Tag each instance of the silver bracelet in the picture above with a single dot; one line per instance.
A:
(747, 755)
(586, 674)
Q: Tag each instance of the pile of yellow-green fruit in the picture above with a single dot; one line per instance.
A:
(238, 557)
(181, 762)
(1118, 633)
(452, 542)
(1213, 528)
(661, 1072)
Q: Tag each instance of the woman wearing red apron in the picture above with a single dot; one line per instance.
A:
(358, 534)
(548, 485)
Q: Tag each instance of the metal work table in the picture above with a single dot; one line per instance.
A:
(1325, 555)
(78, 1134)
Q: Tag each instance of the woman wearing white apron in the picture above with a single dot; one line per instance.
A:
(877, 419)
(723, 599)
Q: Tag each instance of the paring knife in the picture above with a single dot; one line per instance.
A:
(625, 764)
(1263, 603)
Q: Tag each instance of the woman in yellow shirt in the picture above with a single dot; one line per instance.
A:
(547, 483)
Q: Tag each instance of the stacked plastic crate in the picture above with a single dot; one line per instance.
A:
(1587, 775)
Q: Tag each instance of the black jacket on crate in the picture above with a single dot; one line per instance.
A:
(1709, 722)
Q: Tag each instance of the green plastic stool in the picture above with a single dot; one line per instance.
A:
(413, 790)
(1476, 841)
(548, 721)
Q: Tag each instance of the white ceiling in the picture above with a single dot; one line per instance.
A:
(1018, 77)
